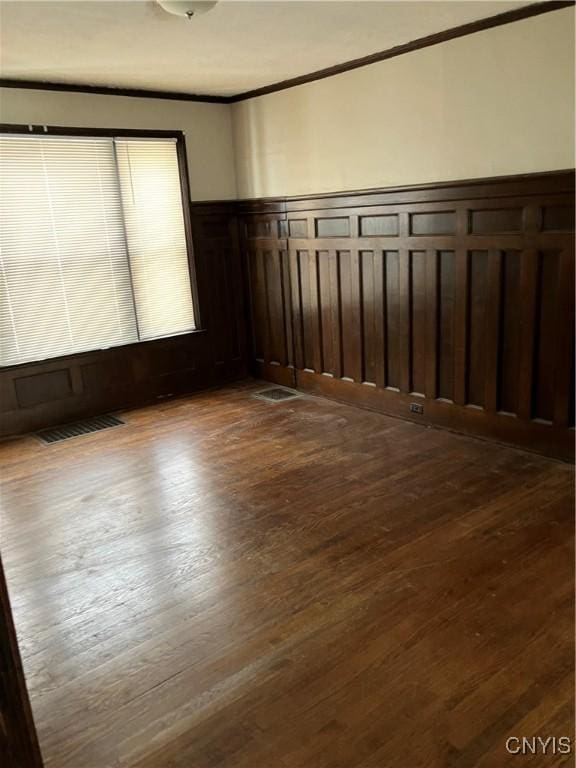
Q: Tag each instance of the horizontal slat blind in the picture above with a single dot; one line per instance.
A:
(92, 245)
(64, 277)
(152, 201)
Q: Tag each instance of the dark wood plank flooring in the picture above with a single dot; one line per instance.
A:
(228, 583)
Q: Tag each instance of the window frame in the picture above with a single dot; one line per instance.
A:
(181, 154)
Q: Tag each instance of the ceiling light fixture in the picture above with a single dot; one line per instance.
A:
(187, 9)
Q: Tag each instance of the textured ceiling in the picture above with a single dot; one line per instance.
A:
(236, 47)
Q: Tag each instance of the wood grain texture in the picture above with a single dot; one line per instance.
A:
(471, 283)
(228, 583)
(446, 319)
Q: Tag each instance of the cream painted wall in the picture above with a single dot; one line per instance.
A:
(208, 127)
(494, 103)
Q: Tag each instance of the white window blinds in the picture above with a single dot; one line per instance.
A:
(92, 245)
(152, 202)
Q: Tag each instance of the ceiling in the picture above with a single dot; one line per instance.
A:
(236, 47)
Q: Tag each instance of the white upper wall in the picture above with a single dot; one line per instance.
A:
(207, 127)
(236, 47)
(493, 103)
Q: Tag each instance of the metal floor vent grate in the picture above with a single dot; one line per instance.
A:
(85, 427)
(277, 394)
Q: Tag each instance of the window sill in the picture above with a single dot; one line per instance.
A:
(65, 360)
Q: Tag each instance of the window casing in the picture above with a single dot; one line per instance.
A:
(93, 243)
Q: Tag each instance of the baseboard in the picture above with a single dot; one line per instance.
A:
(533, 436)
(127, 397)
(283, 375)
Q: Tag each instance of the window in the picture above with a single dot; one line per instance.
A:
(93, 247)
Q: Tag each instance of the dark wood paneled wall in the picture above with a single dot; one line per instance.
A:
(455, 300)
(452, 304)
(36, 395)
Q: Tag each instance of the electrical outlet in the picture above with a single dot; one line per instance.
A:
(416, 408)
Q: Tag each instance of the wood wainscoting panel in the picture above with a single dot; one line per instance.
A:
(374, 226)
(456, 298)
(477, 313)
(373, 316)
(43, 387)
(391, 261)
(558, 218)
(436, 223)
(333, 226)
(420, 282)
(501, 220)
(269, 291)
(445, 323)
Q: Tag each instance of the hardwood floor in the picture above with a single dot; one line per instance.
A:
(225, 582)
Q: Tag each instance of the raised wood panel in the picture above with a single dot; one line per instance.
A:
(310, 305)
(465, 302)
(496, 221)
(418, 322)
(258, 305)
(43, 387)
(100, 375)
(276, 306)
(492, 330)
(297, 309)
(509, 359)
(405, 319)
(374, 226)
(544, 358)
(351, 317)
(431, 316)
(461, 324)
(527, 319)
(338, 226)
(559, 218)
(330, 323)
(564, 351)
(571, 388)
(264, 228)
(437, 223)
(446, 320)
(477, 299)
(392, 318)
(374, 316)
(298, 228)
(213, 227)
(174, 355)
(270, 294)
(223, 300)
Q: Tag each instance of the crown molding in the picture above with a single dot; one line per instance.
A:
(508, 17)
(104, 90)
(517, 14)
